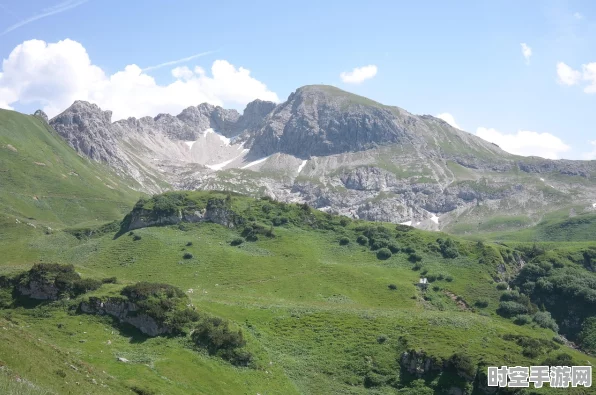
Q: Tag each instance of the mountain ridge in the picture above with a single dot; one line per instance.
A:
(335, 151)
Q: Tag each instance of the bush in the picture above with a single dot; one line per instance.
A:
(448, 248)
(383, 254)
(544, 319)
(187, 255)
(279, 221)
(510, 309)
(344, 241)
(215, 335)
(378, 244)
(417, 266)
(462, 364)
(392, 287)
(362, 240)
(85, 285)
(136, 237)
(237, 241)
(431, 278)
(393, 247)
(110, 280)
(448, 278)
(502, 286)
(587, 335)
(522, 319)
(482, 303)
(189, 244)
(414, 258)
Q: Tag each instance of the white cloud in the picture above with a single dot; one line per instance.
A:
(589, 74)
(592, 154)
(53, 10)
(578, 15)
(567, 75)
(445, 116)
(54, 75)
(359, 74)
(526, 51)
(525, 143)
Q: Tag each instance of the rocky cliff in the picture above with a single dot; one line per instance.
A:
(338, 152)
(125, 312)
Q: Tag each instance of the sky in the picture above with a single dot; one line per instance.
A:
(521, 74)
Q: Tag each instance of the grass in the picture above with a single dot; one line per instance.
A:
(45, 182)
(311, 309)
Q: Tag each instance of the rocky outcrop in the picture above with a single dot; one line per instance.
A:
(125, 312)
(420, 364)
(40, 290)
(141, 218)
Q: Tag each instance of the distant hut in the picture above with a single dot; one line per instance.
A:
(423, 283)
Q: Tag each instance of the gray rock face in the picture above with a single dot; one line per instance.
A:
(336, 151)
(145, 218)
(124, 312)
(39, 290)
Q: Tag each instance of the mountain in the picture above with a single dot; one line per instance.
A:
(338, 152)
(44, 182)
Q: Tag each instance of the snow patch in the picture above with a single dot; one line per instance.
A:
(435, 219)
(409, 223)
(190, 144)
(224, 139)
(256, 162)
(301, 166)
(593, 205)
(542, 179)
(221, 165)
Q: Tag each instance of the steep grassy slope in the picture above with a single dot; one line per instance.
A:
(44, 182)
(321, 312)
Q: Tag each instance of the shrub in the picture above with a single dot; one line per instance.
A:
(424, 272)
(136, 237)
(587, 335)
(392, 287)
(215, 335)
(381, 339)
(189, 244)
(378, 244)
(414, 258)
(482, 303)
(187, 255)
(61, 373)
(110, 280)
(393, 247)
(502, 286)
(562, 359)
(237, 241)
(344, 241)
(85, 285)
(510, 309)
(431, 278)
(448, 278)
(448, 248)
(383, 254)
(417, 266)
(362, 240)
(522, 319)
(462, 364)
(343, 221)
(279, 221)
(544, 319)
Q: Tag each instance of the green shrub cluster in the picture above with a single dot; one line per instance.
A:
(216, 336)
(448, 248)
(164, 303)
(63, 277)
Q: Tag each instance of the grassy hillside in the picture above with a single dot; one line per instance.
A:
(326, 305)
(44, 182)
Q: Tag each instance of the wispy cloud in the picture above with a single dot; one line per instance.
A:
(53, 10)
(173, 62)
(526, 51)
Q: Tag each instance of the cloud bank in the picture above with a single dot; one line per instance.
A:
(525, 143)
(54, 75)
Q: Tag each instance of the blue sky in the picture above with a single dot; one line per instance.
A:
(464, 59)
